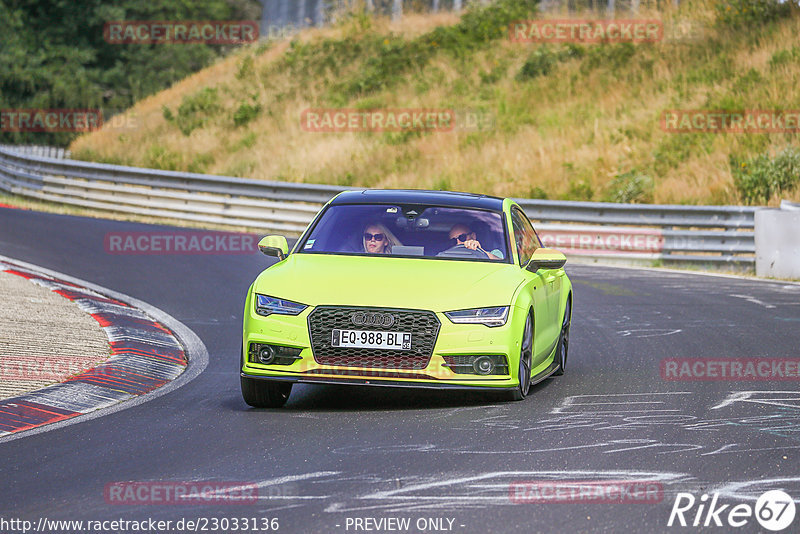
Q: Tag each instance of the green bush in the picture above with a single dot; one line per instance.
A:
(194, 111)
(399, 138)
(537, 192)
(248, 141)
(572, 50)
(759, 178)
(747, 82)
(242, 169)
(480, 25)
(580, 190)
(442, 184)
(200, 163)
(674, 149)
(744, 13)
(347, 180)
(784, 57)
(495, 75)
(611, 56)
(245, 113)
(389, 58)
(631, 187)
(540, 63)
(387, 66)
(544, 59)
(158, 157)
(246, 68)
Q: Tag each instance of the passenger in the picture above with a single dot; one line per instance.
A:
(378, 239)
(461, 234)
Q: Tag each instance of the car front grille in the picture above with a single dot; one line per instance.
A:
(423, 326)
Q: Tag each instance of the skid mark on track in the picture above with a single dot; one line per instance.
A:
(750, 298)
(621, 423)
(619, 402)
(484, 490)
(649, 332)
(786, 399)
(751, 490)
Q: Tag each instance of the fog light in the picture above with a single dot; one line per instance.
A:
(483, 365)
(266, 355)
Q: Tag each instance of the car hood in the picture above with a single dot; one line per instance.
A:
(438, 285)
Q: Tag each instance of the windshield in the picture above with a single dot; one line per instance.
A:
(406, 230)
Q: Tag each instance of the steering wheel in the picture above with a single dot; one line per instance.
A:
(461, 251)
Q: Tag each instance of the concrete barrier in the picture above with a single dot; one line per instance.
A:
(777, 237)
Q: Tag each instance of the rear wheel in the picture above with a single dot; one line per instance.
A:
(563, 340)
(525, 362)
(264, 393)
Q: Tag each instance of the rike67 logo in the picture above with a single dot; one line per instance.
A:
(774, 510)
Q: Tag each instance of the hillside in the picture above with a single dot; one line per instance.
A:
(569, 121)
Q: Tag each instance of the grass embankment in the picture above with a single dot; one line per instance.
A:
(577, 122)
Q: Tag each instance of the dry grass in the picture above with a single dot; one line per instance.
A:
(568, 133)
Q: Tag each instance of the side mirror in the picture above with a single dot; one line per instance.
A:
(274, 245)
(546, 258)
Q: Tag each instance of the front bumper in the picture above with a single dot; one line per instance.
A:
(373, 382)
(451, 340)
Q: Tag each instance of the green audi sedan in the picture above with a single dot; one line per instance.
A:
(424, 289)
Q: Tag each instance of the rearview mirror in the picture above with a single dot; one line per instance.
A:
(274, 245)
(546, 258)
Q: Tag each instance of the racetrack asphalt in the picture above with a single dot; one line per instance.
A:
(339, 453)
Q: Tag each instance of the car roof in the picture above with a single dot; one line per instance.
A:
(415, 196)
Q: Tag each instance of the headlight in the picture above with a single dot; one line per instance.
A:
(486, 316)
(268, 305)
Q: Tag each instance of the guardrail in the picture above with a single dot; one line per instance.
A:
(627, 232)
(40, 150)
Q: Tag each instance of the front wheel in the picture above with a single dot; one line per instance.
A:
(264, 393)
(563, 340)
(525, 363)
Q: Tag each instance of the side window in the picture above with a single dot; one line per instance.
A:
(524, 236)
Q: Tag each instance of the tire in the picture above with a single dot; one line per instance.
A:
(563, 340)
(525, 363)
(264, 393)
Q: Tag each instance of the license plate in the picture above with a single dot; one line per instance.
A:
(370, 339)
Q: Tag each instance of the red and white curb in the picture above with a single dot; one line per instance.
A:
(146, 354)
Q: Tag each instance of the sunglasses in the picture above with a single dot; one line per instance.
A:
(460, 237)
(370, 237)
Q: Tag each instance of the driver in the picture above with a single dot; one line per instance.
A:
(461, 234)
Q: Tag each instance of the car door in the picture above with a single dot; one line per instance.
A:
(541, 285)
(554, 284)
